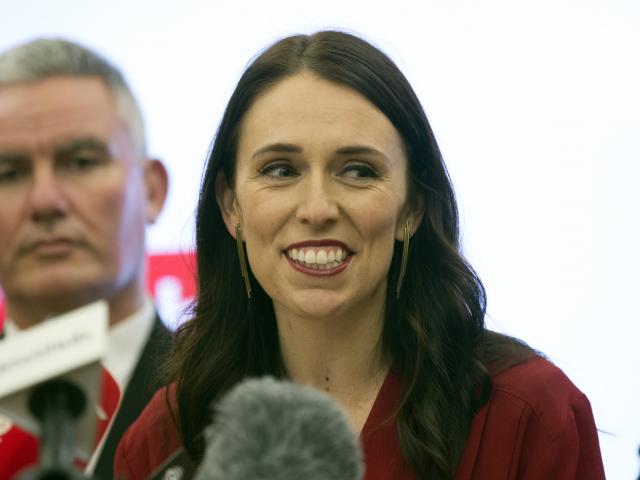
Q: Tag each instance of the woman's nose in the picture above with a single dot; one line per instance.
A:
(317, 203)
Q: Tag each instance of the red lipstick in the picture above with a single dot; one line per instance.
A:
(319, 243)
(302, 268)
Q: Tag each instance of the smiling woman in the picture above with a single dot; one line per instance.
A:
(337, 190)
(326, 191)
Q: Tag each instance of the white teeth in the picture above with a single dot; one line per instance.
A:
(322, 259)
(310, 256)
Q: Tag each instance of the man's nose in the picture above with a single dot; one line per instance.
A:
(47, 200)
(317, 203)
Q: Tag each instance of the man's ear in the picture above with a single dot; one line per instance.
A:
(414, 212)
(227, 202)
(156, 183)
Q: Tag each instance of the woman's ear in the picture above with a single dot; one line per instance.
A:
(414, 213)
(227, 202)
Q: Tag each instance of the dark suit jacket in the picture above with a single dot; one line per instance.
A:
(141, 387)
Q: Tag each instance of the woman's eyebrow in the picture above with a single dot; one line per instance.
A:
(365, 151)
(278, 148)
(359, 150)
(282, 147)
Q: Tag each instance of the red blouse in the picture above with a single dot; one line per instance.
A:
(536, 425)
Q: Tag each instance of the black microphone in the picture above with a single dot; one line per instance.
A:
(265, 429)
(57, 404)
(49, 383)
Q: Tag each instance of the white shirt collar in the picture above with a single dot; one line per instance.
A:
(127, 339)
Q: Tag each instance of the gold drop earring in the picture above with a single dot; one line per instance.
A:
(243, 260)
(405, 256)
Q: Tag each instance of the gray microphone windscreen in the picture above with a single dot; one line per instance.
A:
(274, 430)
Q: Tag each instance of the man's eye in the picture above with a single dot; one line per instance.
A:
(279, 170)
(359, 170)
(81, 162)
(11, 175)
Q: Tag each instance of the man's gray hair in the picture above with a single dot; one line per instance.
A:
(42, 58)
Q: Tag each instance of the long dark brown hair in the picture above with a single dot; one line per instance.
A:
(434, 332)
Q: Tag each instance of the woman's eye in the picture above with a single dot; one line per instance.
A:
(278, 170)
(359, 170)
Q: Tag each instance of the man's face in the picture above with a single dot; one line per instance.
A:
(72, 195)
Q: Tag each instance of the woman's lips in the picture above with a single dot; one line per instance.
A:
(315, 269)
(329, 242)
(319, 257)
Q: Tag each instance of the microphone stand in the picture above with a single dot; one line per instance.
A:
(57, 404)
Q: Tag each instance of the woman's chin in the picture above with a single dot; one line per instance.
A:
(320, 304)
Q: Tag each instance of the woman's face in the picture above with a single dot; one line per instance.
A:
(320, 191)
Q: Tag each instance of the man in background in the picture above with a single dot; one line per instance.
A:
(76, 192)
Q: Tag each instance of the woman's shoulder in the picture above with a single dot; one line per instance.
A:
(536, 422)
(522, 376)
(538, 383)
(546, 393)
(151, 439)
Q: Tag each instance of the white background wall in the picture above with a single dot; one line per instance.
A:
(536, 108)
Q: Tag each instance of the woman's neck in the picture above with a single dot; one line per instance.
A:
(340, 356)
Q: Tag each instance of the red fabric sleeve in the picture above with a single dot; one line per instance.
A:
(572, 453)
(149, 442)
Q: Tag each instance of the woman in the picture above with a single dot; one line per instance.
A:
(326, 199)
